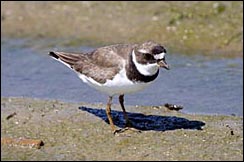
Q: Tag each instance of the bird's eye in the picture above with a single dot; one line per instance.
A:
(148, 56)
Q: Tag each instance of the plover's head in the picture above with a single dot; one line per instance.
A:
(151, 54)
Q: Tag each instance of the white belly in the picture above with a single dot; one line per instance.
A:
(120, 84)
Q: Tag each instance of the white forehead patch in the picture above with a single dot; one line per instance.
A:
(159, 56)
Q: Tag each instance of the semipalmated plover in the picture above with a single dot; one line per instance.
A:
(117, 69)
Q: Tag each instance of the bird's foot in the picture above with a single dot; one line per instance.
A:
(126, 130)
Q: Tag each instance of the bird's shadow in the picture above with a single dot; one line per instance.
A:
(147, 122)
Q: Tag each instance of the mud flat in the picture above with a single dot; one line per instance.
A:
(80, 131)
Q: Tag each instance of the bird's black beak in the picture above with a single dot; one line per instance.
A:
(162, 63)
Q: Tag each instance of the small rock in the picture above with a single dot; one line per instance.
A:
(173, 107)
(11, 115)
(33, 143)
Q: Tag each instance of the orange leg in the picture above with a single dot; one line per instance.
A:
(128, 123)
(121, 101)
(108, 112)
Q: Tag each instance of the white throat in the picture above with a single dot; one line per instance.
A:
(145, 69)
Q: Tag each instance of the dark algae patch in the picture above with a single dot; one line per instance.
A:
(81, 132)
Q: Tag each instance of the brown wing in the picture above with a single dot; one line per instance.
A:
(101, 64)
(99, 69)
(113, 55)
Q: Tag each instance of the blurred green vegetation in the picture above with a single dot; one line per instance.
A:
(211, 28)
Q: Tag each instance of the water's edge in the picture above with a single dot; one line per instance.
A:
(202, 86)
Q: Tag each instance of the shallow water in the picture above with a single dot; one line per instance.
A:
(200, 84)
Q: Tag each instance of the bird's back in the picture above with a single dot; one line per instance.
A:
(100, 64)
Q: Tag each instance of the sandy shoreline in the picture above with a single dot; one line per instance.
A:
(81, 132)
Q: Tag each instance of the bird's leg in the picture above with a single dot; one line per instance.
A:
(108, 112)
(121, 101)
(128, 124)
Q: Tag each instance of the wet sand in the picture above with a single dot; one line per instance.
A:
(81, 132)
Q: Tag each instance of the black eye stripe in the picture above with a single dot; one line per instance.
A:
(148, 56)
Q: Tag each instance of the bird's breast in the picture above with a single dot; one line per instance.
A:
(119, 84)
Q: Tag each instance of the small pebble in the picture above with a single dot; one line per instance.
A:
(173, 107)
